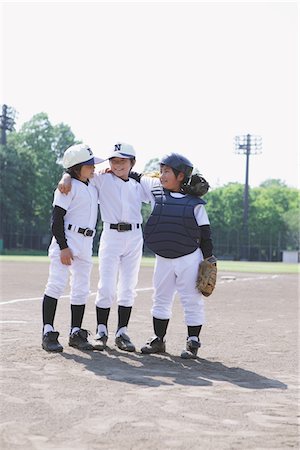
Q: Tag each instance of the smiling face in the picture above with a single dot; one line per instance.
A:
(86, 172)
(121, 167)
(169, 180)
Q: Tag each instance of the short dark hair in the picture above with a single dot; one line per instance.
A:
(74, 171)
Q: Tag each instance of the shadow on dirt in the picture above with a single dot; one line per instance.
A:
(166, 369)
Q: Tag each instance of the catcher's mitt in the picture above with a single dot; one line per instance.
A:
(197, 186)
(207, 276)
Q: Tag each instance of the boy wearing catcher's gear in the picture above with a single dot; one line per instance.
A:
(74, 220)
(178, 232)
(121, 244)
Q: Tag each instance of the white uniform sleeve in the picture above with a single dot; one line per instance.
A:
(148, 183)
(63, 200)
(201, 215)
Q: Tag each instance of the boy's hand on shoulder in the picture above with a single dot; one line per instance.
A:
(104, 171)
(66, 256)
(135, 176)
(65, 184)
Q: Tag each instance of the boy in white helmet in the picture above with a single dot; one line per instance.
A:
(73, 225)
(121, 243)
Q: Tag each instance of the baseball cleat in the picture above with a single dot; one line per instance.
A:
(50, 342)
(123, 342)
(100, 341)
(191, 350)
(154, 345)
(79, 340)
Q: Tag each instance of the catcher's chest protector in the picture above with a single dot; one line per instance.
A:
(172, 230)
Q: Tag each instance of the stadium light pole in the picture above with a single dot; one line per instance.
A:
(7, 121)
(247, 145)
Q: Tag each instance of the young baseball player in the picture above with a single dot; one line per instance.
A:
(178, 232)
(74, 219)
(121, 243)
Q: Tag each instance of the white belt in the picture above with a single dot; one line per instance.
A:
(87, 232)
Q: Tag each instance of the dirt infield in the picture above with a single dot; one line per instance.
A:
(241, 393)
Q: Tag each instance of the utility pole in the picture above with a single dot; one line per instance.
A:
(7, 122)
(247, 145)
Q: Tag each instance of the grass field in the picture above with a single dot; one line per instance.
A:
(224, 266)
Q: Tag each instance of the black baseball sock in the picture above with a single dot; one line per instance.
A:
(77, 312)
(160, 327)
(124, 313)
(49, 309)
(102, 315)
(194, 331)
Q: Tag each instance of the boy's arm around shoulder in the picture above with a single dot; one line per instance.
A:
(147, 182)
(65, 183)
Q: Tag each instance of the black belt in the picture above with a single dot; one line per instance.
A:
(85, 231)
(122, 226)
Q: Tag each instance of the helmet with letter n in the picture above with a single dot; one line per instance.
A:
(179, 163)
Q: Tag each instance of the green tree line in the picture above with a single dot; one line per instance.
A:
(30, 170)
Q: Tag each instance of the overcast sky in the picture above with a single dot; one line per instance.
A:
(162, 76)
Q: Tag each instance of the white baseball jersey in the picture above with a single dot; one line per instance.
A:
(120, 253)
(81, 205)
(120, 201)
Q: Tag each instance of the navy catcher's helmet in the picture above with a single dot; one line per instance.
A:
(178, 162)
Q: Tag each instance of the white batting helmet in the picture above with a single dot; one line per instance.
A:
(79, 154)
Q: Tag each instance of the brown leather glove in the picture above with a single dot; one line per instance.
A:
(207, 276)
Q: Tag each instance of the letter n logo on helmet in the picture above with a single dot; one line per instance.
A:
(118, 147)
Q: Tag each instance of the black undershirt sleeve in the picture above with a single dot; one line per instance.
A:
(57, 226)
(206, 244)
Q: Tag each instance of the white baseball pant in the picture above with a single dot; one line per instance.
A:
(120, 256)
(80, 271)
(178, 274)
